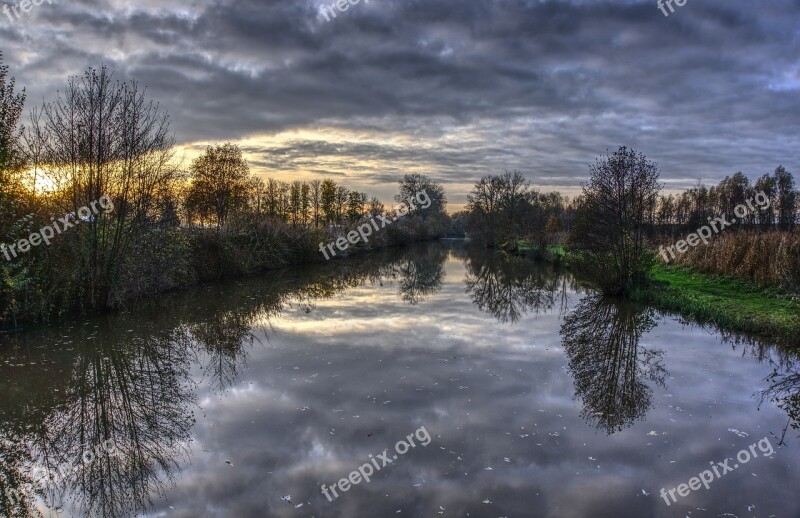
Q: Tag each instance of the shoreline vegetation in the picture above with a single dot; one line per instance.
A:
(745, 279)
(170, 227)
(178, 256)
(727, 302)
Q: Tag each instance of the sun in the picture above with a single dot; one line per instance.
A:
(39, 181)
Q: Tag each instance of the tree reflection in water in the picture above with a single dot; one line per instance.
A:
(17, 487)
(784, 388)
(420, 273)
(601, 338)
(126, 379)
(509, 287)
(783, 383)
(137, 394)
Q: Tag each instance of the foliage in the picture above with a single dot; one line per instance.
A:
(104, 139)
(765, 258)
(12, 206)
(413, 184)
(220, 182)
(608, 238)
(504, 209)
(677, 214)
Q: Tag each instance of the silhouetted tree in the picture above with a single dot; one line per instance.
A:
(11, 105)
(608, 238)
(766, 184)
(355, 205)
(328, 201)
(413, 184)
(220, 181)
(101, 138)
(787, 198)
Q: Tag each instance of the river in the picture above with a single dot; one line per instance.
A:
(523, 393)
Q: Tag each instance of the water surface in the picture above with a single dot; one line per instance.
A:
(541, 399)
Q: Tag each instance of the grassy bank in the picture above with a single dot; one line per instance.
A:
(552, 253)
(727, 302)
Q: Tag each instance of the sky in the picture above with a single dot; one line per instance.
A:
(454, 89)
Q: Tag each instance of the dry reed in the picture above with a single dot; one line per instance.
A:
(766, 258)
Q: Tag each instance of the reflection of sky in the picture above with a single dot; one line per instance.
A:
(325, 389)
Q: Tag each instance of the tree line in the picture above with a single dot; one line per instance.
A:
(611, 229)
(221, 186)
(170, 226)
(692, 208)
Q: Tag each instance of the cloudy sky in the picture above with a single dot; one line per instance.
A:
(455, 89)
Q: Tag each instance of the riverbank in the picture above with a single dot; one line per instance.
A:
(727, 302)
(184, 258)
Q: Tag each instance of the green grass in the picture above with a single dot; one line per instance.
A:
(555, 251)
(729, 303)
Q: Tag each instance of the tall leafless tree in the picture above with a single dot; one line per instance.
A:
(98, 138)
(609, 235)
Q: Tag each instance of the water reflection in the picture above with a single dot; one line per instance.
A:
(420, 273)
(601, 338)
(135, 378)
(783, 383)
(225, 340)
(129, 382)
(509, 287)
(17, 487)
(134, 392)
(784, 390)
(137, 394)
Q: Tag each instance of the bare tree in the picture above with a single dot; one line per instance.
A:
(328, 200)
(11, 104)
(101, 138)
(787, 198)
(483, 205)
(608, 237)
(413, 184)
(316, 193)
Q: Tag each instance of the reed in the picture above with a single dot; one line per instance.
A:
(765, 258)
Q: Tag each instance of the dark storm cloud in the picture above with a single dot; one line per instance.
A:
(540, 86)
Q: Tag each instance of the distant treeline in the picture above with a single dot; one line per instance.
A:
(692, 208)
(169, 227)
(504, 208)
